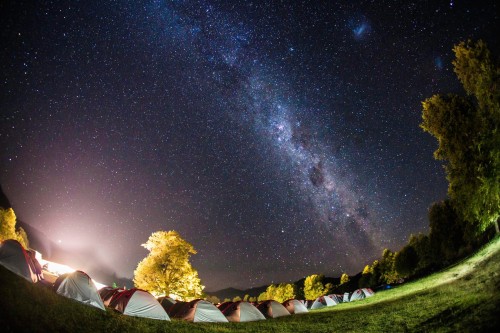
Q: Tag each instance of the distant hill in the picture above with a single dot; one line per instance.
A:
(233, 292)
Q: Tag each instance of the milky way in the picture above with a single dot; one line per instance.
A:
(281, 140)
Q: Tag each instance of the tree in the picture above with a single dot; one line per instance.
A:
(344, 278)
(236, 299)
(278, 292)
(212, 299)
(246, 297)
(313, 286)
(406, 261)
(388, 273)
(366, 275)
(446, 235)
(166, 269)
(468, 132)
(8, 228)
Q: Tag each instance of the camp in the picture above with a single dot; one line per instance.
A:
(78, 286)
(15, 258)
(321, 302)
(138, 303)
(242, 312)
(272, 309)
(295, 306)
(197, 311)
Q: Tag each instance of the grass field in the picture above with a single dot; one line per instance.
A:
(461, 298)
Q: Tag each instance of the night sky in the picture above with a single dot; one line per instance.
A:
(281, 139)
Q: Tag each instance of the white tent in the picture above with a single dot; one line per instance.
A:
(346, 298)
(14, 257)
(242, 312)
(138, 303)
(295, 306)
(272, 309)
(197, 311)
(80, 287)
(368, 292)
(321, 302)
(360, 294)
(336, 298)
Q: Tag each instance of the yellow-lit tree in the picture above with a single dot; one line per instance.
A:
(314, 288)
(8, 228)
(166, 269)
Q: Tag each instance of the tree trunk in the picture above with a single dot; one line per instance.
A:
(496, 227)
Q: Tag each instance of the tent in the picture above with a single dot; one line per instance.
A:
(242, 312)
(138, 303)
(272, 309)
(224, 305)
(15, 258)
(321, 302)
(336, 298)
(346, 297)
(360, 294)
(368, 292)
(197, 311)
(107, 294)
(295, 306)
(166, 302)
(78, 286)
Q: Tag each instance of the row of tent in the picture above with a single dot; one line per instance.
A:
(140, 303)
(334, 299)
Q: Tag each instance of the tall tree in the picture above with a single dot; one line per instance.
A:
(468, 132)
(166, 269)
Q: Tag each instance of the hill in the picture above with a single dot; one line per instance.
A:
(461, 298)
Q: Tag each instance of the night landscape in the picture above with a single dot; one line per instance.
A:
(246, 151)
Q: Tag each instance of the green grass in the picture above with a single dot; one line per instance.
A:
(461, 298)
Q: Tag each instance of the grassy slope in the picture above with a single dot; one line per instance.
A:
(464, 297)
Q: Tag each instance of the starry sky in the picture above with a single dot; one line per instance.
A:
(280, 138)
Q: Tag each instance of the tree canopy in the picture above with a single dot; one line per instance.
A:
(8, 228)
(468, 134)
(314, 288)
(166, 269)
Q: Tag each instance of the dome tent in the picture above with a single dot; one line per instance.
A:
(272, 309)
(138, 303)
(15, 258)
(295, 306)
(78, 286)
(321, 302)
(361, 294)
(197, 311)
(107, 294)
(242, 311)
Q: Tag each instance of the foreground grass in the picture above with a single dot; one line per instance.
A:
(462, 298)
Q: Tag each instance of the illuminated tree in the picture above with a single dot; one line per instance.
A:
(344, 278)
(8, 228)
(166, 269)
(314, 288)
(468, 132)
(278, 292)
